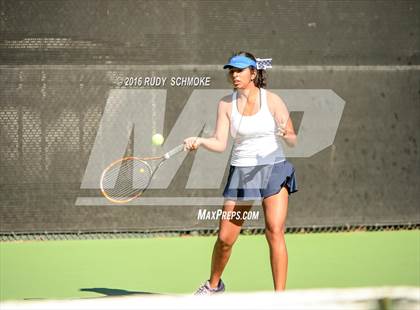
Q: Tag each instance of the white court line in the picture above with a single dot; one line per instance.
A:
(215, 67)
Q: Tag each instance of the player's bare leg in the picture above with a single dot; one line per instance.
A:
(275, 211)
(228, 233)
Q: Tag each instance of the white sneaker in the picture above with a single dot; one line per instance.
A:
(205, 289)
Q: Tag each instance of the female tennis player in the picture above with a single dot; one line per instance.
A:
(258, 120)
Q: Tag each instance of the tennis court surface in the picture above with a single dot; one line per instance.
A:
(368, 268)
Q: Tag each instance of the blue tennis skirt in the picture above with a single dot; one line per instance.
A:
(259, 182)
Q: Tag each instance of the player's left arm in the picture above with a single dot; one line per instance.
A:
(282, 117)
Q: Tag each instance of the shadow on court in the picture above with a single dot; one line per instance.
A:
(106, 292)
(114, 292)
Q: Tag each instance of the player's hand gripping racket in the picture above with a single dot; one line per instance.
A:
(127, 178)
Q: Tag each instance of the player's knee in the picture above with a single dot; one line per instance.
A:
(275, 233)
(225, 242)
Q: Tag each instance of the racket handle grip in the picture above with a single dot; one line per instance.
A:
(174, 151)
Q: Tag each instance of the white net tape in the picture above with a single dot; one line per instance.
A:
(389, 298)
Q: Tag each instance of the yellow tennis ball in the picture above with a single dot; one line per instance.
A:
(157, 139)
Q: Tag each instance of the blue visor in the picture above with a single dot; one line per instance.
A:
(240, 62)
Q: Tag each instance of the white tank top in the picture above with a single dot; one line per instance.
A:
(255, 139)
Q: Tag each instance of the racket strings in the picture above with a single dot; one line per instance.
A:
(126, 179)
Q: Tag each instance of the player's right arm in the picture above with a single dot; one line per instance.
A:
(218, 141)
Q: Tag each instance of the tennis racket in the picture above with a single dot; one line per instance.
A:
(127, 178)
